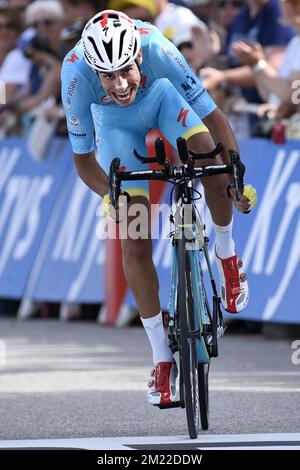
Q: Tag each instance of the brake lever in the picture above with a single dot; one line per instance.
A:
(114, 182)
(238, 178)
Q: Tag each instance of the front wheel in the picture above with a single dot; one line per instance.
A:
(203, 370)
(188, 341)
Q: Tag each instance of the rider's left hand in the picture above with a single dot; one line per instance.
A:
(248, 199)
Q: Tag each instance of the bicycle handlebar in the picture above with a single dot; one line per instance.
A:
(176, 174)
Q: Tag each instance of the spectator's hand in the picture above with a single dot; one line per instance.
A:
(247, 53)
(267, 110)
(52, 113)
(206, 45)
(211, 77)
(283, 111)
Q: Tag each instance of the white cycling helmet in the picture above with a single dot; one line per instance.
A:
(110, 41)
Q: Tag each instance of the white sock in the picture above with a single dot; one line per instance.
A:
(224, 242)
(158, 340)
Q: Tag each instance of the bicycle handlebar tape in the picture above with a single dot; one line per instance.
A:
(113, 182)
(238, 172)
(182, 149)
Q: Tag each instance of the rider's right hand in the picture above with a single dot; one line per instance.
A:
(112, 213)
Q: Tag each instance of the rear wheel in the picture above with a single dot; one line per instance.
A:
(188, 341)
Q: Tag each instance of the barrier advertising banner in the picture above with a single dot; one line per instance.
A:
(28, 191)
(51, 246)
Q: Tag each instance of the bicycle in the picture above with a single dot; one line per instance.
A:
(194, 327)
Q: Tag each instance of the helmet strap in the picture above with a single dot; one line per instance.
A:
(138, 66)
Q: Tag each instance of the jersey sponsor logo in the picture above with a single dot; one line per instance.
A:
(73, 58)
(182, 116)
(180, 64)
(72, 87)
(103, 22)
(106, 99)
(189, 84)
(74, 121)
(171, 55)
(70, 91)
(167, 51)
(193, 90)
(75, 134)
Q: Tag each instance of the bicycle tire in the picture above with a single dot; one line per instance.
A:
(203, 371)
(188, 346)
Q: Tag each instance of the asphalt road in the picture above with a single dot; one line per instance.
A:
(69, 380)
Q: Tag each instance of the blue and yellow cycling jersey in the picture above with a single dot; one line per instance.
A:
(86, 102)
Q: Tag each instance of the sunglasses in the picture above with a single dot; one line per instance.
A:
(234, 3)
(46, 23)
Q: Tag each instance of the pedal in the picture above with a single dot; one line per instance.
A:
(174, 404)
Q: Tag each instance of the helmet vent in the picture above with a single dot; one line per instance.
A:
(135, 47)
(95, 47)
(108, 49)
(121, 43)
(125, 61)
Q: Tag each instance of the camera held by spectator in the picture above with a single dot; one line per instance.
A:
(39, 51)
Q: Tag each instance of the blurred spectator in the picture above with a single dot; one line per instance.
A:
(203, 9)
(199, 51)
(81, 9)
(274, 86)
(145, 10)
(196, 46)
(174, 19)
(223, 17)
(10, 28)
(45, 51)
(19, 4)
(258, 21)
(47, 17)
(176, 23)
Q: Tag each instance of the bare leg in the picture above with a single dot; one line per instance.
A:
(215, 187)
(139, 268)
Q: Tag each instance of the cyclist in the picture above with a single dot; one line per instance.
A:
(122, 79)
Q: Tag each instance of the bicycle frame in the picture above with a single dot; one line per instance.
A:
(197, 243)
(193, 328)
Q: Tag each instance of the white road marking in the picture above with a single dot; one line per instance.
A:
(284, 441)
